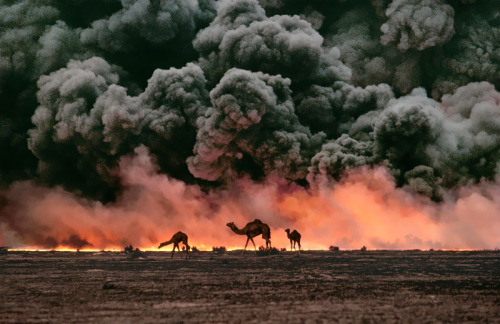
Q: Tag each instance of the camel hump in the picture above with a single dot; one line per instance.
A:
(179, 236)
(258, 221)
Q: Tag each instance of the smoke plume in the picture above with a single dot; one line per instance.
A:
(372, 122)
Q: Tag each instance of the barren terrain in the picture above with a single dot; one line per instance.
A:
(345, 286)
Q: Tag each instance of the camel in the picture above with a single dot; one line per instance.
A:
(293, 237)
(176, 239)
(252, 230)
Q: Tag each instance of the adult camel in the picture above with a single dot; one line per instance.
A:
(176, 239)
(252, 230)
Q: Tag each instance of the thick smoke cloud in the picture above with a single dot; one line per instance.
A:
(22, 23)
(456, 140)
(144, 35)
(253, 119)
(151, 21)
(242, 36)
(338, 156)
(417, 24)
(85, 116)
(474, 55)
(335, 109)
(357, 35)
(234, 95)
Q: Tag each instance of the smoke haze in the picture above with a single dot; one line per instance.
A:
(370, 122)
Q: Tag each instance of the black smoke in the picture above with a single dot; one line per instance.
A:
(219, 90)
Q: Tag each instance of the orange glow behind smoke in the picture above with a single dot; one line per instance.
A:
(364, 209)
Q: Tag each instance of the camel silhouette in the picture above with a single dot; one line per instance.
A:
(252, 230)
(176, 239)
(293, 237)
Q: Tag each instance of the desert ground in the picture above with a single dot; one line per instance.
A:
(314, 287)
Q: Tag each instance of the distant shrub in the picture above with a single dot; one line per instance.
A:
(333, 248)
(219, 249)
(363, 249)
(263, 251)
(137, 254)
(195, 249)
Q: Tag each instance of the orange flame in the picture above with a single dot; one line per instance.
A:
(363, 209)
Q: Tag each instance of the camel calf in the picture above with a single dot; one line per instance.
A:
(293, 237)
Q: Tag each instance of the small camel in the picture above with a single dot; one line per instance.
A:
(176, 239)
(252, 230)
(293, 237)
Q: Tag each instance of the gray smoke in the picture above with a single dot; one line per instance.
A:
(221, 90)
(153, 22)
(87, 117)
(242, 36)
(252, 119)
(335, 109)
(417, 24)
(474, 55)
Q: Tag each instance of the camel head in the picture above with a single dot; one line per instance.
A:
(287, 231)
(231, 225)
(163, 244)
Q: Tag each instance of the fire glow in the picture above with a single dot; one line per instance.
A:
(364, 208)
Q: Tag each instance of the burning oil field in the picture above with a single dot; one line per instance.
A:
(355, 122)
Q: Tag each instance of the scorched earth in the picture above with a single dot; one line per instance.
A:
(316, 286)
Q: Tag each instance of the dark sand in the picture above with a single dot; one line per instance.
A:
(315, 287)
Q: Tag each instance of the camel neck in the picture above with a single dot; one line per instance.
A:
(238, 231)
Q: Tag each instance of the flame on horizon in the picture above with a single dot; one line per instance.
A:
(364, 209)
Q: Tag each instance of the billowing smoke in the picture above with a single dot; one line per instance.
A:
(156, 114)
(242, 36)
(417, 24)
(252, 121)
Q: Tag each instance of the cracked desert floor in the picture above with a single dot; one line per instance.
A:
(314, 287)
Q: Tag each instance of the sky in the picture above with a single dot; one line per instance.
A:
(356, 122)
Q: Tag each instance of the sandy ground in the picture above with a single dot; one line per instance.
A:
(315, 287)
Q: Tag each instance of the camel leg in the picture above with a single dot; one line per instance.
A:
(245, 249)
(173, 250)
(299, 246)
(187, 249)
(254, 245)
(291, 248)
(179, 249)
